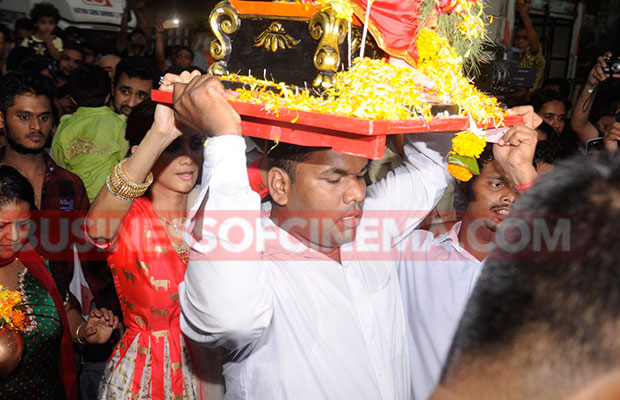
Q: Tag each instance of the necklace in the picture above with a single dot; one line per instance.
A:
(183, 251)
(176, 227)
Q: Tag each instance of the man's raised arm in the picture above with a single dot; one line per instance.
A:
(410, 192)
(225, 298)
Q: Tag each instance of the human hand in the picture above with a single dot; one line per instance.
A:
(522, 7)
(515, 153)
(164, 123)
(597, 75)
(159, 26)
(47, 37)
(202, 104)
(99, 327)
(530, 118)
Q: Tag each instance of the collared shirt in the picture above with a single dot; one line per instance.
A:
(89, 143)
(305, 327)
(437, 276)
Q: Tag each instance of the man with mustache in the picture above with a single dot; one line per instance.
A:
(542, 321)
(438, 274)
(134, 78)
(26, 117)
(302, 313)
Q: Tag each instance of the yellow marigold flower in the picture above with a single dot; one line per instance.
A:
(10, 314)
(468, 144)
(459, 172)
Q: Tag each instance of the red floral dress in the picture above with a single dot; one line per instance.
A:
(151, 360)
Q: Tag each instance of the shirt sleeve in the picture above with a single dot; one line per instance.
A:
(408, 193)
(57, 149)
(226, 298)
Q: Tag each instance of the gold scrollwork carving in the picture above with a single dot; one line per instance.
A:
(331, 32)
(275, 38)
(224, 21)
(372, 51)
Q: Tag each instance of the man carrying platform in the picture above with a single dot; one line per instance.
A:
(299, 314)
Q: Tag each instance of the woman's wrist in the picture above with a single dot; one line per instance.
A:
(79, 335)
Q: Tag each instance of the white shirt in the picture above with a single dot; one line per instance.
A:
(436, 282)
(305, 327)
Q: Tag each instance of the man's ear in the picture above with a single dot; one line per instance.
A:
(73, 101)
(107, 99)
(279, 186)
(133, 149)
(1, 120)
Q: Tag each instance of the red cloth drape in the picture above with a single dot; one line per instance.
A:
(393, 24)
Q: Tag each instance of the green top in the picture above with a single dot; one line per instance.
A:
(37, 377)
(89, 143)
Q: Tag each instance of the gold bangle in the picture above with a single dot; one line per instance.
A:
(123, 188)
(77, 334)
(147, 182)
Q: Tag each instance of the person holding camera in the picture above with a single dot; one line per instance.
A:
(586, 130)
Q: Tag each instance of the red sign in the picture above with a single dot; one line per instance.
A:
(100, 3)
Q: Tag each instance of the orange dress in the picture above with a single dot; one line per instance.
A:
(151, 361)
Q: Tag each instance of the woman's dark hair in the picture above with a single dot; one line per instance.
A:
(139, 122)
(14, 188)
(542, 96)
(41, 10)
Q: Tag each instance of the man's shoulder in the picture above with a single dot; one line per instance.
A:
(86, 115)
(107, 113)
(60, 173)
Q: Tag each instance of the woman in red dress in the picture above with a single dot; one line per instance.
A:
(142, 230)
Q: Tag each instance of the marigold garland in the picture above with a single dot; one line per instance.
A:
(438, 61)
(468, 144)
(374, 89)
(11, 313)
(371, 89)
(459, 172)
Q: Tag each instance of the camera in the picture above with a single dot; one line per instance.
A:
(504, 74)
(613, 66)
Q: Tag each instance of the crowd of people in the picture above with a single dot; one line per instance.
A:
(504, 286)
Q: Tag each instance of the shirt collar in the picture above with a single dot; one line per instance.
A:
(452, 238)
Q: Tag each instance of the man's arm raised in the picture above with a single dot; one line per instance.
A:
(226, 298)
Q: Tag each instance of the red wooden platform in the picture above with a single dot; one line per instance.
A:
(348, 135)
